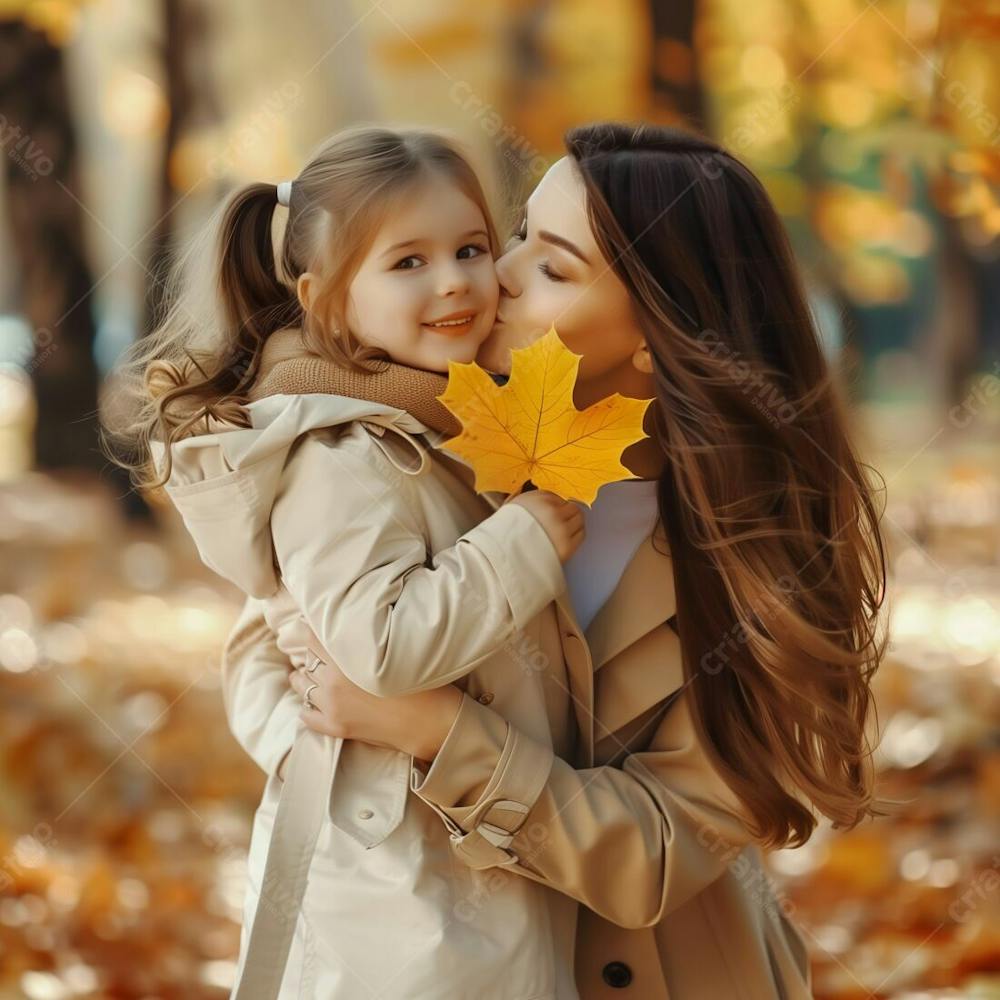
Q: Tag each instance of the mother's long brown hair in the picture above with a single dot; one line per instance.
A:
(779, 565)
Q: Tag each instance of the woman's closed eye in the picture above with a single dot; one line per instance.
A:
(546, 269)
(544, 266)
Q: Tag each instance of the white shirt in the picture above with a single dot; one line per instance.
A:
(620, 519)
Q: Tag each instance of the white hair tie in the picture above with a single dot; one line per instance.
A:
(285, 193)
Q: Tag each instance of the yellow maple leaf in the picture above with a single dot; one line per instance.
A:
(529, 428)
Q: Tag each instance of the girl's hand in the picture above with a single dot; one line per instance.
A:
(561, 519)
(415, 723)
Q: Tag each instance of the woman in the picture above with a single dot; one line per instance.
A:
(720, 670)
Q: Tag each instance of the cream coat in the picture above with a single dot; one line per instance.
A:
(634, 821)
(331, 514)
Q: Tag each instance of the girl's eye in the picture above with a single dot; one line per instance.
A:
(471, 246)
(406, 264)
(549, 273)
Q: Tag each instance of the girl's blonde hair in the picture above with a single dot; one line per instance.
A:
(226, 295)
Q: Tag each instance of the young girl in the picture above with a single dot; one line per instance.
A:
(333, 514)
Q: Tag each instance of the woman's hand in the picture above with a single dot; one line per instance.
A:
(417, 724)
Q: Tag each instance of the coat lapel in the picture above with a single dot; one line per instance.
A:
(631, 630)
(579, 675)
(643, 599)
(630, 627)
(642, 675)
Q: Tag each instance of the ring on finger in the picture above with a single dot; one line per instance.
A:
(306, 697)
(312, 668)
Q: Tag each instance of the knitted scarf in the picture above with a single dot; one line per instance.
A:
(287, 367)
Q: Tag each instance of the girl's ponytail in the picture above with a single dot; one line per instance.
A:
(255, 303)
(205, 353)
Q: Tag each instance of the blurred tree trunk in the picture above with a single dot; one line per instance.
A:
(677, 96)
(184, 22)
(46, 223)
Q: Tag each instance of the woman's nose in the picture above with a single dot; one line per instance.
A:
(509, 285)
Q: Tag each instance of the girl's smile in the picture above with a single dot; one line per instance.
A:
(456, 324)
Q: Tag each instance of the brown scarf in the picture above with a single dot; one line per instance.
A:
(288, 367)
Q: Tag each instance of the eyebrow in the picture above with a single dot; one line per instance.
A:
(555, 240)
(409, 243)
(561, 241)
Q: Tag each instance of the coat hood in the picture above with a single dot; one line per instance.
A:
(224, 482)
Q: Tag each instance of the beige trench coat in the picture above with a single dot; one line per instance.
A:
(635, 823)
(332, 514)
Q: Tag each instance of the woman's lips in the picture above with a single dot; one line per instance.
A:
(455, 325)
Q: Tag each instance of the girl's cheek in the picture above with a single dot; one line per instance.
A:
(489, 284)
(410, 298)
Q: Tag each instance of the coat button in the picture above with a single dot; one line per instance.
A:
(485, 698)
(617, 974)
(365, 814)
